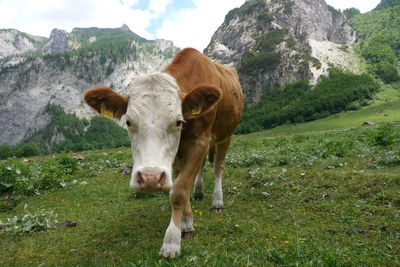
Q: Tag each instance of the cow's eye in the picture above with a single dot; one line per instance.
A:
(128, 123)
(179, 123)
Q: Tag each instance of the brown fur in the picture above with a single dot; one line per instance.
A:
(203, 98)
(191, 70)
(104, 97)
(213, 87)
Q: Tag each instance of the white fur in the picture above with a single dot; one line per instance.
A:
(187, 224)
(217, 201)
(171, 247)
(153, 110)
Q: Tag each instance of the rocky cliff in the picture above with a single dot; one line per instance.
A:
(274, 42)
(58, 42)
(59, 69)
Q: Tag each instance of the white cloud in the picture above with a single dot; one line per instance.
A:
(159, 6)
(362, 5)
(129, 3)
(40, 17)
(194, 27)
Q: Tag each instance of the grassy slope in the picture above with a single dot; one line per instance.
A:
(387, 101)
(337, 204)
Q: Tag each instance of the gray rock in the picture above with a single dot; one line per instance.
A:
(58, 42)
(31, 84)
(66, 224)
(369, 123)
(13, 42)
(304, 20)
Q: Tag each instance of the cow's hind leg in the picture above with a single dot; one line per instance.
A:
(219, 165)
(198, 184)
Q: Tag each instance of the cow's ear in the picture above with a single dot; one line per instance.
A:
(107, 102)
(200, 101)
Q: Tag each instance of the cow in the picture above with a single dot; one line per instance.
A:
(174, 119)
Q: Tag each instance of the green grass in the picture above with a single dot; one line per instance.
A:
(333, 200)
(385, 102)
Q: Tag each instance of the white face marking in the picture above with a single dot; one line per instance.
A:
(153, 117)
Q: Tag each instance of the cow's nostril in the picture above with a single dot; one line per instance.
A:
(140, 178)
(163, 179)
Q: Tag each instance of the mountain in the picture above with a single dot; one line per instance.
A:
(274, 42)
(298, 60)
(37, 73)
(387, 3)
(378, 32)
(14, 44)
(302, 60)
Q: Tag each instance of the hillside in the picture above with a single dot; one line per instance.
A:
(293, 73)
(58, 70)
(279, 42)
(298, 61)
(379, 42)
(387, 3)
(321, 198)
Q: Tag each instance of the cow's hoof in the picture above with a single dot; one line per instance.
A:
(198, 195)
(217, 209)
(187, 235)
(170, 250)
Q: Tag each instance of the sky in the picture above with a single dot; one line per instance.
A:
(188, 23)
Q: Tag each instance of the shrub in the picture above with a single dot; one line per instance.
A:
(30, 178)
(351, 12)
(27, 150)
(5, 151)
(70, 165)
(387, 72)
(10, 171)
(295, 103)
(385, 135)
(79, 134)
(30, 222)
(262, 56)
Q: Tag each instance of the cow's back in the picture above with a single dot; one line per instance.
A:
(192, 69)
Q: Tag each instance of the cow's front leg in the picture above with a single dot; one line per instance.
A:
(182, 217)
(171, 247)
(187, 221)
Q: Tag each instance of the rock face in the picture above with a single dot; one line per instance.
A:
(268, 41)
(58, 42)
(60, 78)
(13, 42)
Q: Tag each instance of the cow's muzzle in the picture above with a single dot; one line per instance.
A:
(150, 179)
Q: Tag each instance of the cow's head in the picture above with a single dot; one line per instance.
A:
(154, 112)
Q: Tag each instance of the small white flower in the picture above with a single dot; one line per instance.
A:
(83, 183)
(74, 182)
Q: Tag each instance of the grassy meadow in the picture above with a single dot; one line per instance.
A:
(323, 193)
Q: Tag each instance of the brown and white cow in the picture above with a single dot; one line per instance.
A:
(174, 119)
